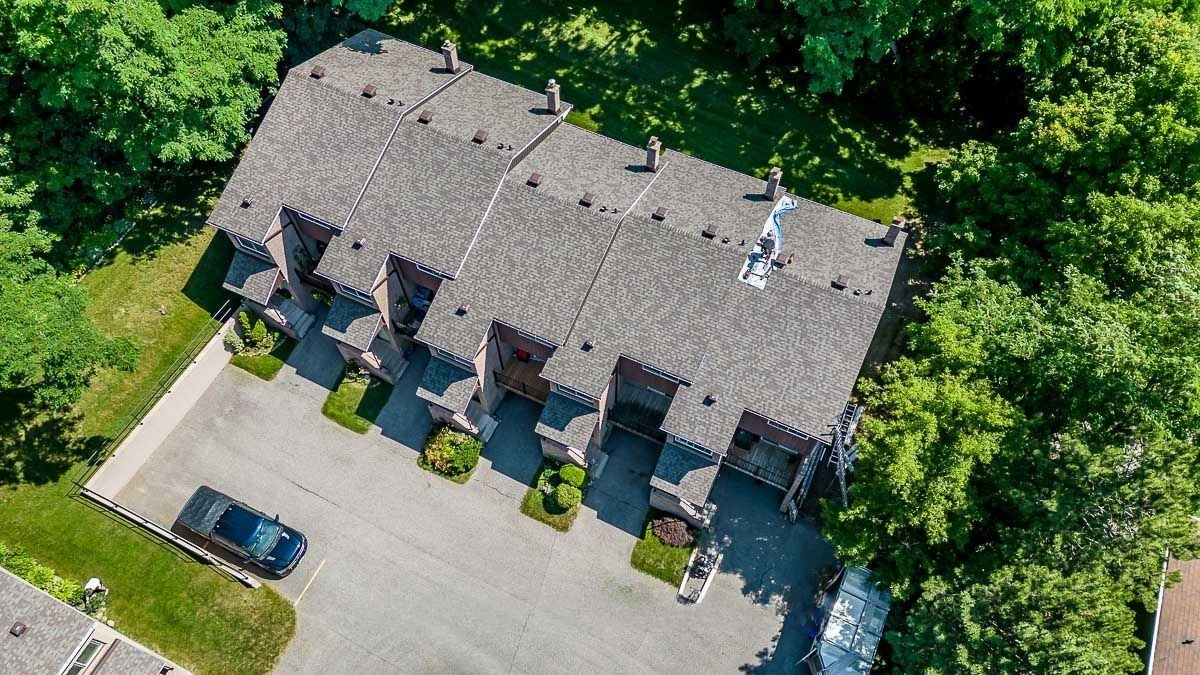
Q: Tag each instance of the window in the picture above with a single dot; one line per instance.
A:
(356, 294)
(785, 428)
(661, 373)
(250, 246)
(694, 447)
(454, 358)
(575, 394)
(317, 221)
(85, 658)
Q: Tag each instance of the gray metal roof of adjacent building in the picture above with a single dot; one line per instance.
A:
(684, 474)
(530, 269)
(351, 322)
(251, 277)
(567, 421)
(55, 630)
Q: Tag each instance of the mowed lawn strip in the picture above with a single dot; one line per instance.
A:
(160, 288)
(266, 366)
(355, 405)
(652, 556)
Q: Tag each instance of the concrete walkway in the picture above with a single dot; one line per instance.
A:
(162, 419)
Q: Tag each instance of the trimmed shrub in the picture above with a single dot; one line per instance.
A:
(452, 453)
(16, 561)
(234, 342)
(567, 497)
(572, 475)
(672, 531)
(256, 339)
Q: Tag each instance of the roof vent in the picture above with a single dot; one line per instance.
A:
(587, 199)
(588, 344)
(18, 629)
(425, 117)
(710, 232)
(359, 243)
(660, 213)
(480, 136)
(369, 91)
(535, 179)
(841, 282)
(247, 201)
(462, 309)
(711, 398)
(317, 72)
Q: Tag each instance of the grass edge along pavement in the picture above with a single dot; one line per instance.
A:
(266, 366)
(160, 286)
(651, 556)
(355, 404)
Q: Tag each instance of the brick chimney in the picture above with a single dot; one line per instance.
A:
(653, 153)
(450, 52)
(553, 98)
(774, 190)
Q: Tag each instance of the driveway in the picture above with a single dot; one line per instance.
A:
(409, 572)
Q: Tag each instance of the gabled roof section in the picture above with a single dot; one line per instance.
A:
(511, 115)
(447, 385)
(653, 301)
(312, 152)
(827, 243)
(531, 269)
(572, 162)
(696, 194)
(352, 322)
(251, 278)
(684, 474)
(55, 630)
(567, 421)
(401, 72)
(425, 203)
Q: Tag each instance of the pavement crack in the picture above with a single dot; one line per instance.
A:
(533, 605)
(316, 494)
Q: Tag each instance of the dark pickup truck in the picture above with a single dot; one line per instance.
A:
(247, 532)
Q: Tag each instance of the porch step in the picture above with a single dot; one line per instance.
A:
(394, 362)
(487, 426)
(297, 318)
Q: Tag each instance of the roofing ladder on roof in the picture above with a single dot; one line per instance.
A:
(840, 455)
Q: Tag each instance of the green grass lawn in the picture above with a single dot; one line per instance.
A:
(657, 559)
(633, 69)
(355, 405)
(266, 366)
(160, 288)
(541, 507)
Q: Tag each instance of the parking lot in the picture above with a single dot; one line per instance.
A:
(409, 572)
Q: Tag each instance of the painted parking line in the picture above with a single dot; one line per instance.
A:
(310, 583)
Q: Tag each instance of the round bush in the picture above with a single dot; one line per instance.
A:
(452, 453)
(672, 531)
(572, 475)
(567, 497)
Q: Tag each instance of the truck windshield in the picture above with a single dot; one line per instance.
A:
(249, 530)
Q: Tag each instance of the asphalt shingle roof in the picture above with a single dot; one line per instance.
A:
(54, 631)
(123, 658)
(447, 385)
(312, 152)
(530, 269)
(351, 322)
(511, 114)
(251, 277)
(400, 71)
(684, 474)
(567, 421)
(572, 162)
(425, 203)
